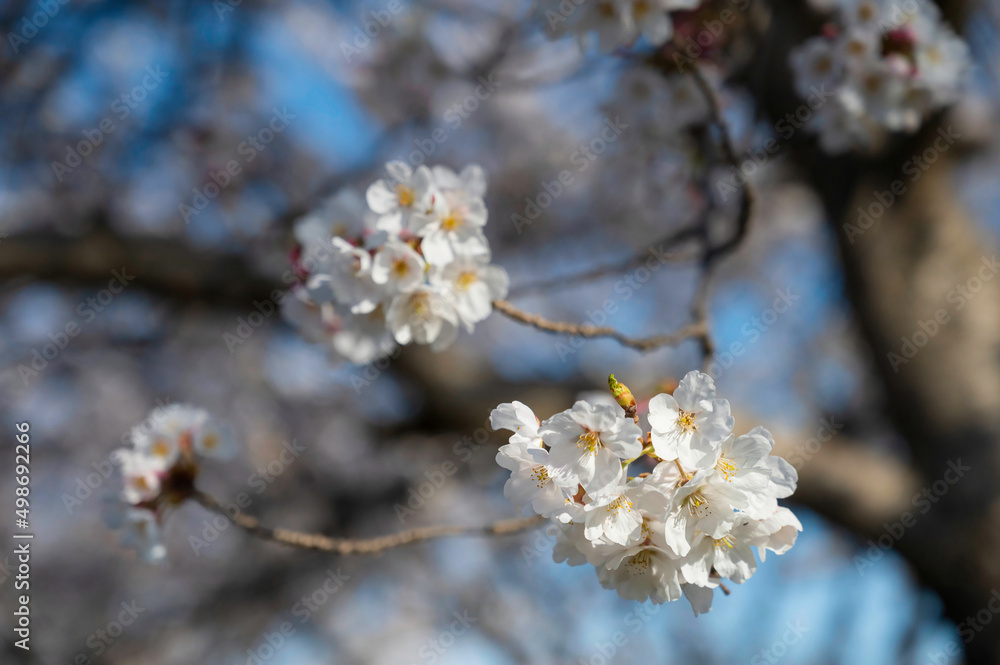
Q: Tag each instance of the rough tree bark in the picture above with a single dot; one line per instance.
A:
(945, 401)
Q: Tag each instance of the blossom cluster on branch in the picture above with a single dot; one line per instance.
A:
(703, 500)
(889, 63)
(409, 263)
(159, 470)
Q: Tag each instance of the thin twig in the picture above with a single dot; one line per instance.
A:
(699, 306)
(699, 328)
(729, 154)
(377, 545)
(616, 268)
(695, 330)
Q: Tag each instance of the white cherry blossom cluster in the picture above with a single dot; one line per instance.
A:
(615, 22)
(159, 470)
(408, 263)
(881, 66)
(690, 517)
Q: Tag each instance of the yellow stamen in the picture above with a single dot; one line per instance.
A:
(541, 476)
(639, 564)
(686, 421)
(590, 441)
(873, 83)
(400, 268)
(466, 279)
(406, 196)
(856, 47)
(726, 541)
(420, 307)
(621, 503)
(727, 468)
(698, 505)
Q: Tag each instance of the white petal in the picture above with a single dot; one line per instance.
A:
(381, 199)
(436, 248)
(399, 171)
(694, 387)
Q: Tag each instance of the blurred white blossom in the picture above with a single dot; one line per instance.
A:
(412, 266)
(881, 67)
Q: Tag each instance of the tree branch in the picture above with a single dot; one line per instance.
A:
(699, 307)
(377, 545)
(697, 330)
(617, 267)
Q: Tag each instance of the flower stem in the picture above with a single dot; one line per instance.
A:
(648, 450)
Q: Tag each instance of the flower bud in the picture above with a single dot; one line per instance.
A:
(622, 395)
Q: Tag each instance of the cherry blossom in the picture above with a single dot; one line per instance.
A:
(588, 442)
(703, 515)
(158, 471)
(690, 424)
(416, 233)
(880, 67)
